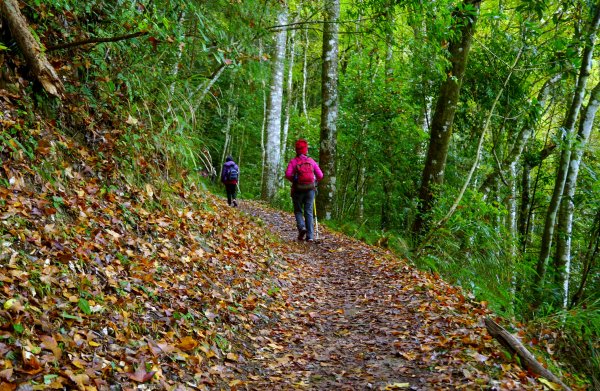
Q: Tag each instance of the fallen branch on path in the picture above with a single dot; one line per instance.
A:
(510, 342)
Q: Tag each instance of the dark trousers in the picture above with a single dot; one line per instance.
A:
(231, 192)
(303, 211)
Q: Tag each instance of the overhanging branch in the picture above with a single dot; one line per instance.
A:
(95, 40)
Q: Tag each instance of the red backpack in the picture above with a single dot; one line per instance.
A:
(304, 175)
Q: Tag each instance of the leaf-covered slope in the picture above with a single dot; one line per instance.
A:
(103, 283)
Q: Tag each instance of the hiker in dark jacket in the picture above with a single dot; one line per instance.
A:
(229, 177)
(304, 173)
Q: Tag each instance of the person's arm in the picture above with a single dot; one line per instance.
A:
(318, 172)
(289, 172)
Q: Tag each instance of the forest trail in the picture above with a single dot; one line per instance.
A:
(361, 319)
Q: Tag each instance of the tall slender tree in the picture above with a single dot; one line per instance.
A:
(305, 74)
(386, 205)
(290, 90)
(522, 138)
(464, 18)
(566, 132)
(274, 109)
(567, 205)
(329, 109)
(590, 258)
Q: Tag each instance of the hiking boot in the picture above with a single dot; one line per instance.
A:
(234, 203)
(301, 234)
(310, 240)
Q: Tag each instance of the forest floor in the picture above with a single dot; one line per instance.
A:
(108, 286)
(361, 319)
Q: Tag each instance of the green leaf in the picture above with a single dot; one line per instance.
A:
(84, 306)
(68, 316)
(18, 327)
(49, 378)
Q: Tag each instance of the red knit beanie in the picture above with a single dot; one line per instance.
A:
(301, 147)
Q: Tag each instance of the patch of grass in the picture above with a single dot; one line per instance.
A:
(222, 343)
(41, 288)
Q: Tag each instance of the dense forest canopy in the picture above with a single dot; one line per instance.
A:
(461, 134)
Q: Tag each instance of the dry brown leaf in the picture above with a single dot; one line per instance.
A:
(187, 343)
(140, 375)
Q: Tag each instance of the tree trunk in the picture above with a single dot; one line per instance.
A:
(263, 129)
(386, 206)
(288, 104)
(441, 126)
(512, 229)
(231, 113)
(566, 130)
(440, 223)
(531, 163)
(521, 139)
(264, 121)
(181, 37)
(419, 29)
(524, 207)
(208, 85)
(589, 259)
(361, 192)
(329, 110)
(567, 206)
(274, 106)
(38, 64)
(305, 75)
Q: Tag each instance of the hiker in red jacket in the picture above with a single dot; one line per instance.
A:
(304, 173)
(229, 177)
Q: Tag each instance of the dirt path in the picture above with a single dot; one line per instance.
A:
(358, 319)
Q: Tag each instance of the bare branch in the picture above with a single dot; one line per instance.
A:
(95, 40)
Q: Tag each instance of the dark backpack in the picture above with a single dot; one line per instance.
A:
(305, 175)
(232, 174)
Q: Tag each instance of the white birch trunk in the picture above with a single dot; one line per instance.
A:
(264, 122)
(262, 137)
(227, 130)
(419, 33)
(273, 131)
(208, 85)
(565, 221)
(179, 54)
(521, 139)
(329, 110)
(512, 229)
(361, 194)
(563, 166)
(305, 75)
(288, 105)
(387, 185)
